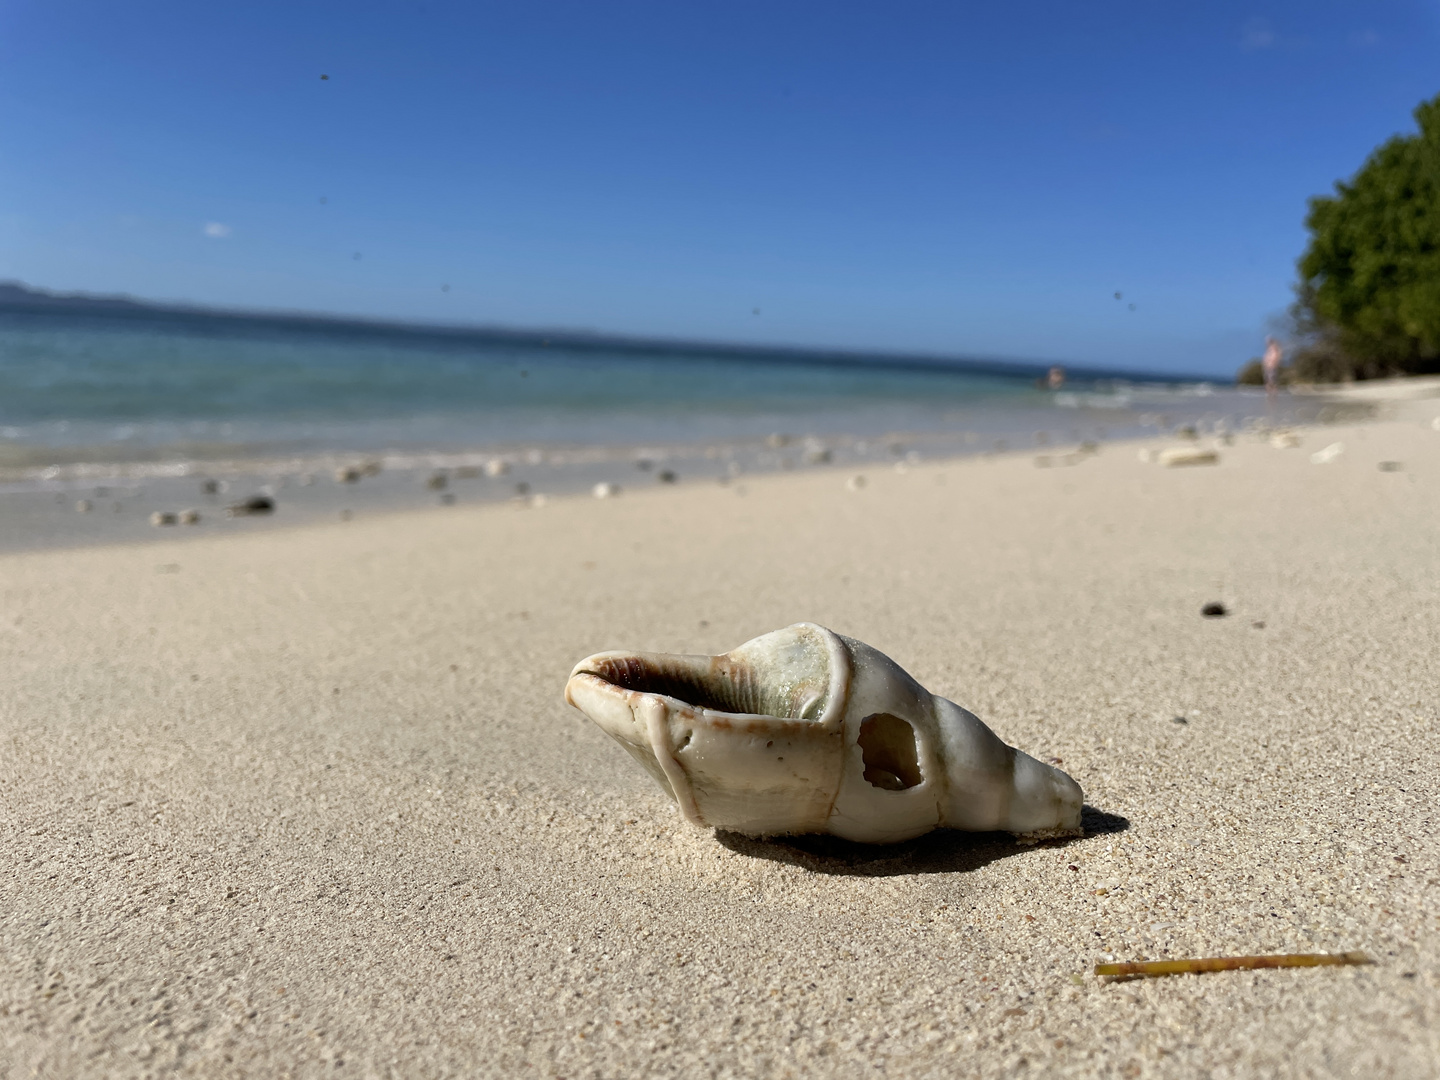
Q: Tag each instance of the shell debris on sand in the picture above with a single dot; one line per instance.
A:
(605, 490)
(162, 518)
(1177, 456)
(804, 731)
(189, 517)
(1285, 440)
(1328, 454)
(496, 467)
(855, 483)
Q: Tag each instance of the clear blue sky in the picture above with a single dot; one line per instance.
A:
(943, 177)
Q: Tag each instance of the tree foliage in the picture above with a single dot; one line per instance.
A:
(1368, 300)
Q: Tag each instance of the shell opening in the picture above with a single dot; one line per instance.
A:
(723, 687)
(888, 746)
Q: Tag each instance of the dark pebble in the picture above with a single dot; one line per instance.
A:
(256, 504)
(1178, 720)
(666, 476)
(1214, 610)
(437, 482)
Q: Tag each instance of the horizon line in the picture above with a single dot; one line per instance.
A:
(19, 296)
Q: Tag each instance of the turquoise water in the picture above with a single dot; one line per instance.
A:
(165, 390)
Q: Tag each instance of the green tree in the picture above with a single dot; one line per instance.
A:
(1368, 300)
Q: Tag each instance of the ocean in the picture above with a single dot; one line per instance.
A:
(141, 398)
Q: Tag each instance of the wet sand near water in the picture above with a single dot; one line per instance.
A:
(308, 802)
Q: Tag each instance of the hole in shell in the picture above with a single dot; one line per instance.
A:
(888, 746)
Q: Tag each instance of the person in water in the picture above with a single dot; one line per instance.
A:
(1270, 364)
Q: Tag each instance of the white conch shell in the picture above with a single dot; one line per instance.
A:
(804, 731)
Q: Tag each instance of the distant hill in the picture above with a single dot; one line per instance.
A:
(21, 298)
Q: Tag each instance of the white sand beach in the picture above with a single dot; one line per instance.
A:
(309, 802)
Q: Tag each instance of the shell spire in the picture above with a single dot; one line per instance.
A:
(804, 731)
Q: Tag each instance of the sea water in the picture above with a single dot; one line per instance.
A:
(137, 401)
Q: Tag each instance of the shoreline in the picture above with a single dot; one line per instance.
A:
(106, 502)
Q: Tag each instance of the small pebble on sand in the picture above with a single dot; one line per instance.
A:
(497, 467)
(189, 517)
(666, 476)
(255, 505)
(605, 490)
(1214, 610)
(211, 487)
(164, 517)
(347, 474)
(437, 481)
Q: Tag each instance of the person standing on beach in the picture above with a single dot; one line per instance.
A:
(1270, 365)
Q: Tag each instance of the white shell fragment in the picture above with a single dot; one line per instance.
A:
(805, 731)
(1177, 456)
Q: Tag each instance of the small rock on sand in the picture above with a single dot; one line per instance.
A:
(437, 481)
(255, 505)
(605, 490)
(164, 517)
(347, 474)
(1214, 610)
(1177, 456)
(666, 476)
(189, 517)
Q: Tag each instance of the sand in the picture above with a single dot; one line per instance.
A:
(308, 802)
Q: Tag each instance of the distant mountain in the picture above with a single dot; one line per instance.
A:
(17, 296)
(21, 298)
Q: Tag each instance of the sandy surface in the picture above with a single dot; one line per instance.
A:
(308, 802)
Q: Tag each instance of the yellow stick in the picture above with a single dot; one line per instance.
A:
(1155, 968)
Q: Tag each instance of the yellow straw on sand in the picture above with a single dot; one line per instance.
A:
(1155, 968)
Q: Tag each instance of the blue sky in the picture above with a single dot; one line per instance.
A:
(952, 178)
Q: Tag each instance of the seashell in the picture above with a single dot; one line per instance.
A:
(1177, 456)
(1328, 454)
(805, 731)
(1285, 440)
